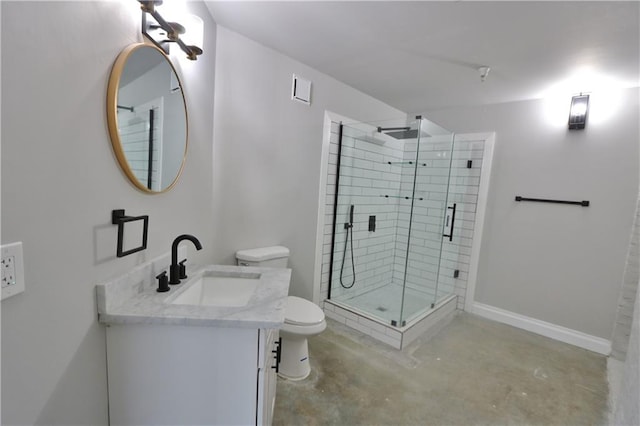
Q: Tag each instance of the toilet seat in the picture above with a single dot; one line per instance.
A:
(301, 312)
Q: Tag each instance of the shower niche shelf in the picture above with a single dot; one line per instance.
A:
(400, 196)
(405, 163)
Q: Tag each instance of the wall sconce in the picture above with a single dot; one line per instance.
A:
(189, 35)
(578, 112)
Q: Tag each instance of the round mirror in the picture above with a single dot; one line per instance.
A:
(147, 117)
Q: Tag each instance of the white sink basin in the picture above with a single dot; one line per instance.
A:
(219, 289)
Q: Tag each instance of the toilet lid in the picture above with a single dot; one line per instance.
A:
(302, 312)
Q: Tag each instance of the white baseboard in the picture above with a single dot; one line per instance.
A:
(556, 332)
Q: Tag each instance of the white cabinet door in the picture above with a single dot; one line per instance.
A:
(267, 377)
(181, 375)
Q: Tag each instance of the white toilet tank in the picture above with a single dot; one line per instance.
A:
(268, 257)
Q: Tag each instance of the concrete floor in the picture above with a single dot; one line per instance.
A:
(474, 372)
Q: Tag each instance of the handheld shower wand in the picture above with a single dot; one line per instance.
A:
(349, 228)
(349, 224)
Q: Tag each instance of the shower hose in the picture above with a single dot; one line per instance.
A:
(349, 237)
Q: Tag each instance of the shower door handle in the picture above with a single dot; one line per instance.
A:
(449, 221)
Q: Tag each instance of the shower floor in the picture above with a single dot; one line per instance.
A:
(385, 302)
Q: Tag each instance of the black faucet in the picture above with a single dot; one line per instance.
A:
(178, 270)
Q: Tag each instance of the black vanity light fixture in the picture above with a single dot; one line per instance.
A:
(188, 35)
(578, 112)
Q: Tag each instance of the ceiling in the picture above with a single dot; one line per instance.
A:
(421, 55)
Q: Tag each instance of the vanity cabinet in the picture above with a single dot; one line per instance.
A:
(162, 374)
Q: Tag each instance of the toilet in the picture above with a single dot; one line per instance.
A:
(302, 317)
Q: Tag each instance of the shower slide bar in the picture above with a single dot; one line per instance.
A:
(583, 203)
(399, 196)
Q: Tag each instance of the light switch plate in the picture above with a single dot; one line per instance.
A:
(12, 270)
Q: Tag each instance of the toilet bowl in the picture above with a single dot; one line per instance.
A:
(302, 317)
(302, 320)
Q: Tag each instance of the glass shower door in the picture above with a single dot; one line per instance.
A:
(431, 220)
(390, 208)
(363, 256)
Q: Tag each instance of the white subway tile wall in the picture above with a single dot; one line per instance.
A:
(463, 190)
(375, 178)
(387, 334)
(134, 135)
(366, 177)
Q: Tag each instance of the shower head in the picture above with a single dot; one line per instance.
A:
(406, 134)
(402, 132)
(371, 138)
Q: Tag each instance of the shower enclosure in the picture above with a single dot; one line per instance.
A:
(391, 217)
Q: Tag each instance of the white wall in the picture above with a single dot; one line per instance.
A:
(556, 263)
(267, 151)
(60, 181)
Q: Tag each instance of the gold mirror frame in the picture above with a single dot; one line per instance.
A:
(112, 116)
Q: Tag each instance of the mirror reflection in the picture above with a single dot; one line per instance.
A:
(147, 118)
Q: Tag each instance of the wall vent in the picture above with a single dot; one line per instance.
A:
(301, 90)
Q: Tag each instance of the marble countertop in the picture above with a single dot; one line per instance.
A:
(132, 299)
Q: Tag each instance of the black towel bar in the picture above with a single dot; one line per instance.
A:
(583, 203)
